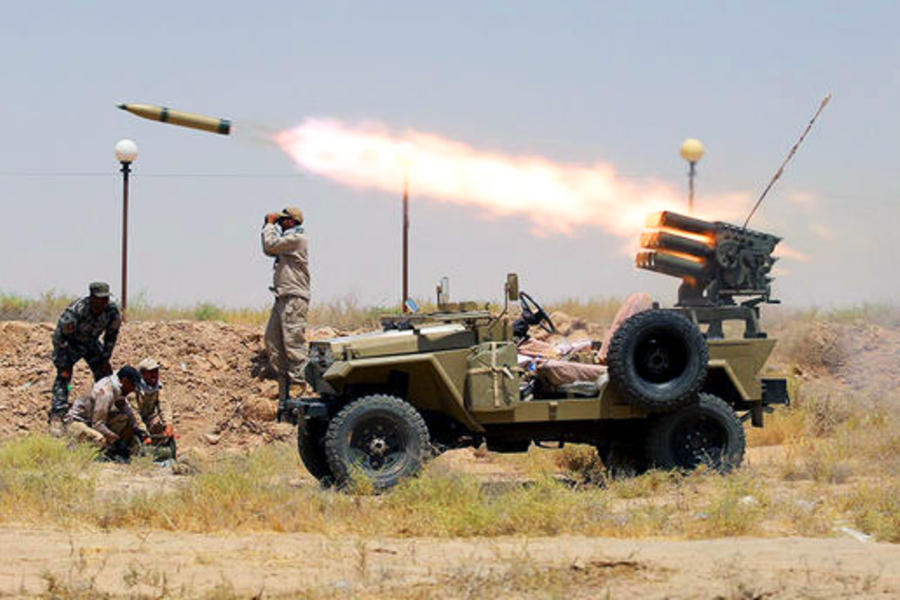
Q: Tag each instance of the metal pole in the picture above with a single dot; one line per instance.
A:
(126, 169)
(405, 241)
(691, 174)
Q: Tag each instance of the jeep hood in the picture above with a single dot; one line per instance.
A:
(426, 338)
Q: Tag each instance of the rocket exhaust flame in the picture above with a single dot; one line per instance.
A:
(557, 198)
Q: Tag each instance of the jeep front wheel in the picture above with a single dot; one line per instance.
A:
(380, 438)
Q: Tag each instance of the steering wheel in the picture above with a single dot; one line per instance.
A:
(533, 314)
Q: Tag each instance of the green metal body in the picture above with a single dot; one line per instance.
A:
(427, 364)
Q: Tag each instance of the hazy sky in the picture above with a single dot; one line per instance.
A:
(574, 82)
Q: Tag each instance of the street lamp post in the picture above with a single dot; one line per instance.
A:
(405, 239)
(691, 151)
(126, 152)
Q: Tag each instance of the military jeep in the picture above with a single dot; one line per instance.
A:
(673, 393)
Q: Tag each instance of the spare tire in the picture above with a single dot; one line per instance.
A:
(658, 360)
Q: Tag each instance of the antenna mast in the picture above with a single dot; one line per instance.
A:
(789, 157)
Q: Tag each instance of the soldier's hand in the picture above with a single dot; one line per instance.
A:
(271, 218)
(168, 431)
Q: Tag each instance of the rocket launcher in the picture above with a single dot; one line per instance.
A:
(716, 261)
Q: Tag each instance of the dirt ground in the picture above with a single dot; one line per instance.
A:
(133, 562)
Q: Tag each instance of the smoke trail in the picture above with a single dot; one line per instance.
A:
(557, 198)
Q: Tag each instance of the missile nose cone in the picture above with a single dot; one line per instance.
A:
(122, 106)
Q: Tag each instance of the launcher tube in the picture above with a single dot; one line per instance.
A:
(664, 240)
(685, 223)
(669, 264)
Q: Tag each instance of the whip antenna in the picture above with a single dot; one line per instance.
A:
(789, 157)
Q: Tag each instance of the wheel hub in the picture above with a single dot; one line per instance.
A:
(700, 441)
(377, 447)
(658, 360)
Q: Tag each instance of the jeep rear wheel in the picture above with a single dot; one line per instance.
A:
(707, 433)
(658, 360)
(381, 438)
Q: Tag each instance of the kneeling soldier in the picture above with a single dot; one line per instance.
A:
(152, 407)
(104, 417)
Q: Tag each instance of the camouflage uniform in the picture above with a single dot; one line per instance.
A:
(77, 336)
(152, 408)
(103, 417)
(286, 331)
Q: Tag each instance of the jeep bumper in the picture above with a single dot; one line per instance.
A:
(774, 391)
(293, 409)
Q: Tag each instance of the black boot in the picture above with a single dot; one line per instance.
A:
(59, 406)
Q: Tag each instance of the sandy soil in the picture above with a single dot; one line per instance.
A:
(284, 564)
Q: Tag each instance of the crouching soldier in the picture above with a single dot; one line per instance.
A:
(104, 418)
(153, 409)
(77, 336)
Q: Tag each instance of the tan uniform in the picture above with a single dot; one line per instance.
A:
(153, 409)
(102, 416)
(286, 331)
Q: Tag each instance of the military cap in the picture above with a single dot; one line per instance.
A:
(99, 289)
(148, 364)
(292, 212)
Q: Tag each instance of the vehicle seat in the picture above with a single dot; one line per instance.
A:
(633, 304)
(558, 373)
(582, 389)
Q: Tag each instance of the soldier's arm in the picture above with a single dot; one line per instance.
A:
(112, 332)
(101, 412)
(134, 403)
(135, 422)
(274, 243)
(165, 409)
(65, 328)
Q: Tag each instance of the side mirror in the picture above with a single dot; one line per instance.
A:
(443, 291)
(512, 287)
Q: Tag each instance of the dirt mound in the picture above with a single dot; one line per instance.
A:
(215, 376)
(859, 354)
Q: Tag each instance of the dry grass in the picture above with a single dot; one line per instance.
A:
(342, 313)
(882, 314)
(41, 481)
(40, 476)
(346, 313)
(840, 461)
(875, 509)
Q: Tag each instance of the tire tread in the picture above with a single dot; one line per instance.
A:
(658, 443)
(373, 402)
